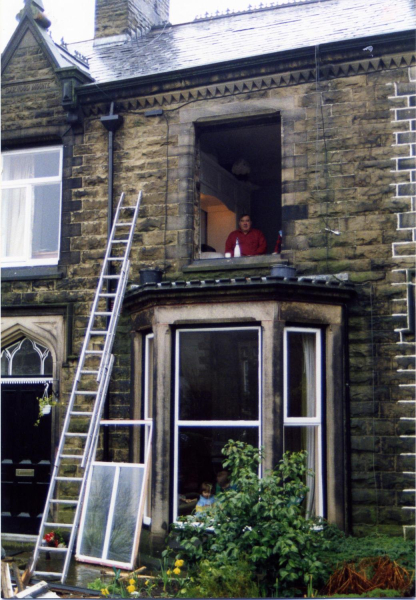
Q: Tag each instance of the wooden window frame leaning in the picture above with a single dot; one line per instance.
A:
(133, 543)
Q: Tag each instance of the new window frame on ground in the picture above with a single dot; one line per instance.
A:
(178, 423)
(28, 185)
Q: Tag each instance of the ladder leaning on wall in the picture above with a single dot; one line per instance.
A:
(78, 442)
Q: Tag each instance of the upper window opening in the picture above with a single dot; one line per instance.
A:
(31, 206)
(240, 174)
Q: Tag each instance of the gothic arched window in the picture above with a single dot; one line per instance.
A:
(26, 358)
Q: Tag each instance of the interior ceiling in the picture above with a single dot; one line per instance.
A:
(256, 144)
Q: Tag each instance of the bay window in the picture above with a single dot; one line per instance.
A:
(217, 398)
(31, 206)
(303, 406)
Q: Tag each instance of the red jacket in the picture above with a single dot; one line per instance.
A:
(251, 243)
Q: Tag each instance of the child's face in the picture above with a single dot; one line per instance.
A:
(206, 494)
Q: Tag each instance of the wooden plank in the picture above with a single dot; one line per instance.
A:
(16, 573)
(34, 590)
(6, 582)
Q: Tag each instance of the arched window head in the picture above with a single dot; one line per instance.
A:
(26, 358)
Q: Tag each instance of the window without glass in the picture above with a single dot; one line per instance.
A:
(31, 206)
(303, 406)
(217, 398)
(239, 171)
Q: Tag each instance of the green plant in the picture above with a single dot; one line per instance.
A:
(222, 581)
(43, 402)
(261, 523)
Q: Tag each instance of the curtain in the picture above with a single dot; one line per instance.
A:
(309, 358)
(13, 208)
(13, 211)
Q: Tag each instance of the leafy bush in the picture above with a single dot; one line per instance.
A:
(223, 581)
(259, 522)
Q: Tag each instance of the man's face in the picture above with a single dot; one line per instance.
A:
(245, 224)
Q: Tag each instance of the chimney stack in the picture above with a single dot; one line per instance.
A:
(117, 17)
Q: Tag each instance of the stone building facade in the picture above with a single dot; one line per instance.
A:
(325, 120)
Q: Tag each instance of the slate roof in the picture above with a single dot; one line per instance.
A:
(244, 35)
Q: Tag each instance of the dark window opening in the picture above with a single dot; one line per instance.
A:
(239, 171)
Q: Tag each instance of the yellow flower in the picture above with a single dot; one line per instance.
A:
(131, 589)
(179, 563)
(176, 571)
(132, 581)
(146, 582)
(168, 572)
(105, 592)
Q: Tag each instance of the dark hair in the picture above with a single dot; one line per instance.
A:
(245, 215)
(206, 487)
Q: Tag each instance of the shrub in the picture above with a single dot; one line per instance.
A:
(259, 522)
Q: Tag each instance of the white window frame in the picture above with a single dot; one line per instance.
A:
(145, 466)
(212, 423)
(315, 421)
(148, 410)
(28, 184)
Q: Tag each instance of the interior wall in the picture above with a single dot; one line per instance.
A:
(221, 222)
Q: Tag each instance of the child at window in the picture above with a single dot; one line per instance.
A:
(206, 498)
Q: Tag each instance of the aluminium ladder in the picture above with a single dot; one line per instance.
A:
(82, 421)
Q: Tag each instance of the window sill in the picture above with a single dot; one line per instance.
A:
(35, 272)
(245, 262)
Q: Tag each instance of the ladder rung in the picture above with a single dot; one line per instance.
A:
(89, 372)
(73, 502)
(98, 332)
(72, 456)
(62, 478)
(111, 277)
(82, 435)
(94, 351)
(116, 258)
(86, 393)
(128, 207)
(81, 413)
(107, 295)
(47, 574)
(124, 224)
(52, 549)
(119, 241)
(103, 314)
(57, 525)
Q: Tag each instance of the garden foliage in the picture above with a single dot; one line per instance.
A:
(261, 522)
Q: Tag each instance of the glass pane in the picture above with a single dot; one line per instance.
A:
(18, 166)
(200, 459)
(13, 212)
(218, 375)
(306, 438)
(4, 364)
(43, 163)
(45, 233)
(301, 377)
(98, 505)
(125, 514)
(47, 163)
(26, 361)
(48, 365)
(148, 411)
